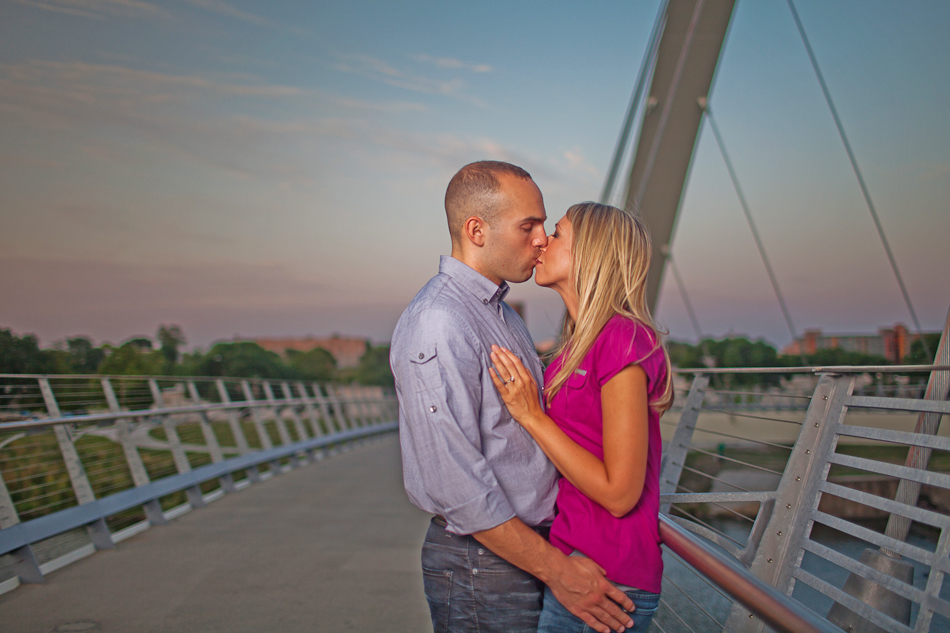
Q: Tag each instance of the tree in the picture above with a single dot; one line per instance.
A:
(317, 364)
(917, 355)
(374, 367)
(245, 359)
(22, 355)
(131, 359)
(171, 339)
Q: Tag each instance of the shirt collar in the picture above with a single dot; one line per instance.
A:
(472, 280)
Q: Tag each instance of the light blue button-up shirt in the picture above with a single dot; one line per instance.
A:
(463, 455)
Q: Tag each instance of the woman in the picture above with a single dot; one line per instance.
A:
(605, 390)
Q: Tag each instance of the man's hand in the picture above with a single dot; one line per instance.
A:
(577, 582)
(584, 591)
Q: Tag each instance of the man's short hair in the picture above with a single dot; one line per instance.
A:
(473, 192)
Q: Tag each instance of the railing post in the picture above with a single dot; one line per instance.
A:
(298, 423)
(195, 498)
(908, 492)
(311, 411)
(324, 409)
(333, 396)
(278, 415)
(98, 530)
(675, 457)
(211, 441)
(266, 443)
(234, 421)
(24, 561)
(153, 509)
(780, 550)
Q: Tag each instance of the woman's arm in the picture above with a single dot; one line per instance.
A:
(615, 483)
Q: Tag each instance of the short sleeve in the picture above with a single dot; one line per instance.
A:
(624, 342)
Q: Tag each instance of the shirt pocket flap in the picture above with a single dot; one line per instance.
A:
(427, 372)
(422, 355)
(577, 380)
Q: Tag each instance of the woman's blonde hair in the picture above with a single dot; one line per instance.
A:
(610, 258)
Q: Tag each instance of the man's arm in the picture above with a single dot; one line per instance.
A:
(577, 582)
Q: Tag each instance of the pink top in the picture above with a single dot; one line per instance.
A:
(627, 548)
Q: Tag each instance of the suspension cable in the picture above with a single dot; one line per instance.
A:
(857, 172)
(646, 68)
(748, 217)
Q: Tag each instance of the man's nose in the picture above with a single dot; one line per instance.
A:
(541, 241)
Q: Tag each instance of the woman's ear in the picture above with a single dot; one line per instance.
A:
(474, 230)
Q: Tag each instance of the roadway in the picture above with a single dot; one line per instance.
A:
(332, 546)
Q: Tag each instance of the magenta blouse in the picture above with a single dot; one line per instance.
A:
(627, 548)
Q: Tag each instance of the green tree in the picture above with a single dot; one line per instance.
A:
(170, 339)
(917, 355)
(22, 354)
(374, 367)
(131, 359)
(317, 364)
(243, 359)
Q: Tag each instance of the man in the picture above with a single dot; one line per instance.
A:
(464, 459)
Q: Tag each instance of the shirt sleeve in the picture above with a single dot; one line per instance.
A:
(439, 379)
(622, 343)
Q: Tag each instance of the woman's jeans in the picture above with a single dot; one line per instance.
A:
(556, 619)
(471, 590)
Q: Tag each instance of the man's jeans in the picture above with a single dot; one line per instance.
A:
(471, 590)
(556, 619)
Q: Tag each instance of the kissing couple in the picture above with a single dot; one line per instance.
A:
(544, 483)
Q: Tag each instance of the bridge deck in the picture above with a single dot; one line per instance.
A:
(330, 547)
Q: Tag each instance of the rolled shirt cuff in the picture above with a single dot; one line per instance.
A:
(484, 512)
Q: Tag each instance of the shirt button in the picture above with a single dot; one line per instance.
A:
(433, 409)
(481, 552)
(475, 571)
(421, 356)
(485, 301)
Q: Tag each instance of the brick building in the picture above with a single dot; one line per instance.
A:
(893, 343)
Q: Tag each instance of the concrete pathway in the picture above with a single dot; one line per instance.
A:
(332, 546)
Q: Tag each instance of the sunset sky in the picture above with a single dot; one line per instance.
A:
(277, 168)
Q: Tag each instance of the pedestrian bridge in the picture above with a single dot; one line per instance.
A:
(160, 504)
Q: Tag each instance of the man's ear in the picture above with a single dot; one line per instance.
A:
(474, 230)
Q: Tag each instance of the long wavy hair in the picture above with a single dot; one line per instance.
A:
(610, 258)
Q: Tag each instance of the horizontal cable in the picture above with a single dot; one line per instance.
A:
(747, 415)
(735, 461)
(745, 439)
(757, 393)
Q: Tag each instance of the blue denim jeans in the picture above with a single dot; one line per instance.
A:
(471, 590)
(556, 619)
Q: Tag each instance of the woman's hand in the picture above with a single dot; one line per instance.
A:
(516, 385)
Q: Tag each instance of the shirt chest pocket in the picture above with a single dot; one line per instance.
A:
(426, 367)
(578, 395)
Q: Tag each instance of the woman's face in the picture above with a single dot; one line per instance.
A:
(554, 264)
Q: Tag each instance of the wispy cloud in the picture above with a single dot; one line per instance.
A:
(452, 63)
(97, 8)
(225, 9)
(173, 111)
(384, 72)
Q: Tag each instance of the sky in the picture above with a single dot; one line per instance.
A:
(250, 169)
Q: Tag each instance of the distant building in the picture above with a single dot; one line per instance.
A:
(893, 343)
(346, 351)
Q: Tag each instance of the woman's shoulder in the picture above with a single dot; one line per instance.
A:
(620, 329)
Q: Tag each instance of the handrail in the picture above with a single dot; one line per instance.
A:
(816, 369)
(779, 611)
(107, 416)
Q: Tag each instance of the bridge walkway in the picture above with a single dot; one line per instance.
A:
(333, 546)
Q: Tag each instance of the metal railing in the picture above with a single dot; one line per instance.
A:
(843, 513)
(86, 461)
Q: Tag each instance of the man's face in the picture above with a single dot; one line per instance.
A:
(514, 242)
